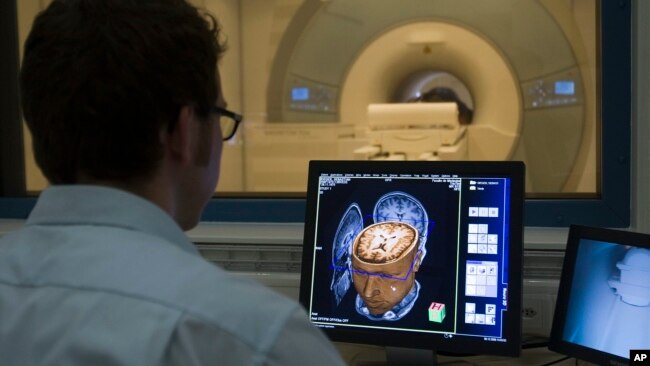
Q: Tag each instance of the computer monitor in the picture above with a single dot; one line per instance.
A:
(603, 305)
(415, 254)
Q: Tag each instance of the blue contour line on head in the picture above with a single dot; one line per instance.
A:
(332, 266)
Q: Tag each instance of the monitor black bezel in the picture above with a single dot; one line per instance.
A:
(576, 234)
(512, 169)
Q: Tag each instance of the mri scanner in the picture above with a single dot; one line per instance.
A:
(523, 67)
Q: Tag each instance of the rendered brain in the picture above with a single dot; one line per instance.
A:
(385, 242)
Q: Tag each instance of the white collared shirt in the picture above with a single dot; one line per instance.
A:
(98, 276)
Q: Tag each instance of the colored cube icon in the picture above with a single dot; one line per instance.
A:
(436, 312)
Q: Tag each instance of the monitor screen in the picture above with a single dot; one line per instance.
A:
(603, 306)
(565, 87)
(415, 254)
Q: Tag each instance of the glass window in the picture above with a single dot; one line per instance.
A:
(526, 70)
(417, 79)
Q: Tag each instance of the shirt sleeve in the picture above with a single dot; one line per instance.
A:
(297, 342)
(197, 343)
(300, 343)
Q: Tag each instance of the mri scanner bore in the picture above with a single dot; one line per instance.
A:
(525, 69)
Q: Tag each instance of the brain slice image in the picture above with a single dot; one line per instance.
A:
(385, 242)
(402, 207)
(348, 228)
(385, 258)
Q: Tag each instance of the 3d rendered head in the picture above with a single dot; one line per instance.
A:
(385, 258)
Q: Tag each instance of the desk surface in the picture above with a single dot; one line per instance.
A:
(355, 355)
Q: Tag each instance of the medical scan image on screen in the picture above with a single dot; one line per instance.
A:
(609, 304)
(412, 253)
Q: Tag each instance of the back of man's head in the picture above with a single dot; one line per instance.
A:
(101, 78)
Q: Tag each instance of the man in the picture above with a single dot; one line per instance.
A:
(122, 98)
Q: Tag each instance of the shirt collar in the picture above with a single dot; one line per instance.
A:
(105, 206)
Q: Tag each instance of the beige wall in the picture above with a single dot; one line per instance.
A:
(27, 10)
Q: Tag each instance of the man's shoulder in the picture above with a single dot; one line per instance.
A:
(211, 296)
(118, 262)
(160, 271)
(150, 281)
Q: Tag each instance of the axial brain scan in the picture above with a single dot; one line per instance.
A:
(385, 242)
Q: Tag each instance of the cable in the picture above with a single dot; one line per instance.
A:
(556, 361)
(534, 345)
(533, 341)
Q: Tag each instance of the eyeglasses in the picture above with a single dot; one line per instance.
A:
(228, 121)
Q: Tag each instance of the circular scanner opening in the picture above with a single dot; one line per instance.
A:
(436, 86)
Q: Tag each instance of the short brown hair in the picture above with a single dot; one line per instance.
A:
(101, 78)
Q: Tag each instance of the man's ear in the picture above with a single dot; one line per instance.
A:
(179, 142)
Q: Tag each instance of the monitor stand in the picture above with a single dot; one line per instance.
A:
(410, 356)
(404, 357)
